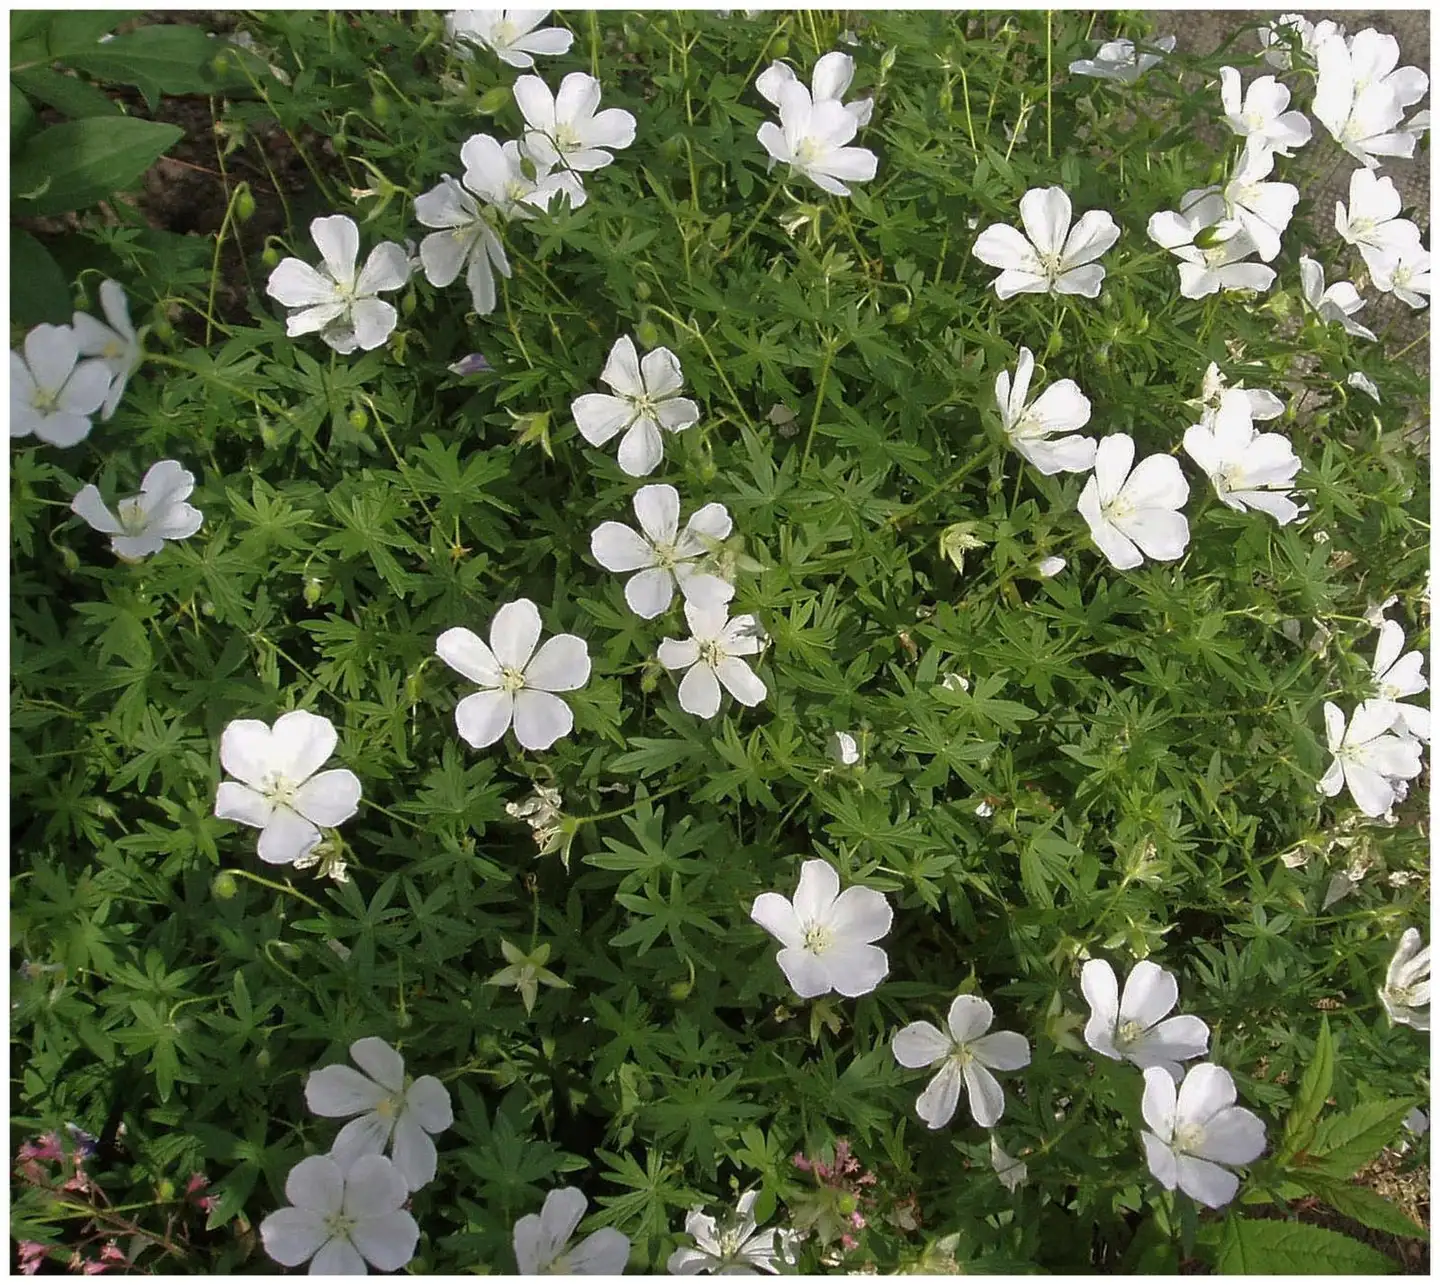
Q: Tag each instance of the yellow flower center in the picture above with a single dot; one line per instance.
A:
(511, 679)
(817, 939)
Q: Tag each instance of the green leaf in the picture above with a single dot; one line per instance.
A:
(1367, 1206)
(1264, 1247)
(161, 59)
(1314, 1091)
(1344, 1144)
(74, 165)
(68, 95)
(38, 288)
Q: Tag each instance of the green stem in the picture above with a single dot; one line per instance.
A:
(286, 888)
(830, 351)
(750, 227)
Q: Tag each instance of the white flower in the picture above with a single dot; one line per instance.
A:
(53, 393)
(984, 809)
(1358, 379)
(1011, 1172)
(1051, 566)
(843, 748)
(1374, 56)
(1131, 514)
(1118, 60)
(1368, 757)
(1249, 470)
(1262, 117)
(1406, 276)
(1362, 116)
(967, 1054)
(1217, 265)
(1418, 124)
(1061, 409)
(393, 1111)
(826, 933)
(1133, 1027)
(1050, 261)
(1196, 1131)
(1397, 676)
(517, 682)
(711, 656)
(664, 556)
(736, 1249)
(646, 399)
(811, 138)
(828, 82)
(142, 523)
(116, 344)
(342, 1219)
(344, 308)
(1407, 983)
(508, 33)
(1372, 224)
(468, 241)
(1339, 302)
(280, 789)
(1262, 209)
(542, 1241)
(1277, 51)
(565, 129)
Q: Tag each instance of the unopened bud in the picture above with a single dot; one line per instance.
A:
(224, 886)
(244, 203)
(493, 100)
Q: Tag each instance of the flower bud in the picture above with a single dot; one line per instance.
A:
(647, 334)
(358, 419)
(220, 65)
(262, 1059)
(493, 100)
(270, 257)
(680, 990)
(900, 314)
(244, 203)
(780, 46)
(379, 106)
(165, 1190)
(642, 290)
(69, 558)
(224, 886)
(313, 589)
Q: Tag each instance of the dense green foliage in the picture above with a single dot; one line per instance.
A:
(1149, 741)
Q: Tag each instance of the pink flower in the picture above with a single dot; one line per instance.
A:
(32, 1254)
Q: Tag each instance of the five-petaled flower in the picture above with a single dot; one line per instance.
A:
(827, 934)
(1338, 302)
(1249, 470)
(1262, 209)
(280, 789)
(664, 555)
(1133, 515)
(393, 1110)
(1133, 1026)
(731, 1248)
(343, 307)
(1396, 675)
(1196, 1130)
(517, 682)
(1406, 993)
(140, 524)
(542, 1241)
(812, 139)
(1040, 430)
(1056, 258)
(1368, 757)
(342, 1218)
(967, 1056)
(52, 392)
(1362, 115)
(115, 343)
(1275, 39)
(565, 129)
(1120, 60)
(645, 399)
(1208, 260)
(1405, 275)
(711, 656)
(1371, 221)
(510, 34)
(1261, 115)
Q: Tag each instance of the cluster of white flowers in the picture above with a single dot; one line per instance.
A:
(815, 125)
(1377, 750)
(346, 1210)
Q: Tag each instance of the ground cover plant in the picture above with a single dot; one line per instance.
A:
(773, 641)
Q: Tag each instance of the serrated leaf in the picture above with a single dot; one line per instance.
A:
(1264, 1247)
(1367, 1206)
(1344, 1144)
(1314, 1091)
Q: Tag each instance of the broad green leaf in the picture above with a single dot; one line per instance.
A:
(1344, 1144)
(68, 95)
(38, 288)
(1269, 1247)
(1368, 1206)
(72, 166)
(160, 59)
(1314, 1090)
